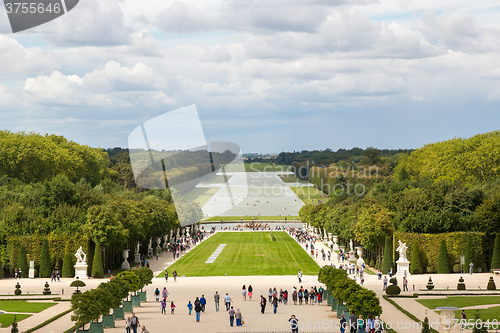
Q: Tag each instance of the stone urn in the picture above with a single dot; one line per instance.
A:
(125, 264)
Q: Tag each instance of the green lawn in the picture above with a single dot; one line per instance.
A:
(459, 301)
(200, 194)
(25, 306)
(292, 179)
(309, 194)
(247, 253)
(6, 319)
(249, 218)
(490, 314)
(257, 167)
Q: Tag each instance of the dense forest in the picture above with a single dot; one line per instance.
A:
(441, 188)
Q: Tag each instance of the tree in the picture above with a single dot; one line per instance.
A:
(68, 267)
(469, 253)
(443, 260)
(145, 275)
(45, 263)
(416, 260)
(86, 306)
(425, 326)
(1, 269)
(97, 267)
(373, 226)
(22, 262)
(495, 261)
(387, 259)
(14, 328)
(131, 278)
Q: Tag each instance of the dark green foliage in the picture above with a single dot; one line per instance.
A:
(392, 290)
(372, 263)
(469, 253)
(68, 269)
(416, 260)
(131, 278)
(443, 260)
(457, 268)
(14, 328)
(2, 275)
(491, 284)
(477, 328)
(45, 264)
(430, 284)
(387, 258)
(495, 261)
(22, 262)
(46, 289)
(425, 326)
(18, 291)
(461, 284)
(145, 275)
(97, 266)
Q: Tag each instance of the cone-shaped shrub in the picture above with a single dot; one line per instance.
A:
(416, 260)
(22, 262)
(45, 264)
(97, 267)
(469, 254)
(425, 326)
(387, 259)
(443, 261)
(495, 261)
(68, 266)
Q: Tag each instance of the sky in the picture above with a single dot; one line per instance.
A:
(268, 75)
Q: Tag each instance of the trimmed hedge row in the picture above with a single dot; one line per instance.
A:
(406, 312)
(358, 299)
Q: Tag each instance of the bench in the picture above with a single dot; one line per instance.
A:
(496, 271)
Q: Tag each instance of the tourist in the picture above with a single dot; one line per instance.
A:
(197, 309)
(216, 300)
(144, 330)
(390, 272)
(190, 307)
(301, 295)
(250, 292)
(320, 294)
(174, 274)
(227, 301)
(166, 276)
(128, 325)
(471, 265)
(244, 293)
(165, 292)
(164, 306)
(203, 302)
(294, 324)
(378, 325)
(262, 304)
(385, 283)
(306, 296)
(342, 323)
(361, 324)
(362, 280)
(371, 324)
(275, 304)
(239, 317)
(285, 297)
(294, 296)
(405, 283)
(231, 316)
(299, 276)
(134, 322)
(270, 295)
(157, 294)
(353, 323)
(172, 307)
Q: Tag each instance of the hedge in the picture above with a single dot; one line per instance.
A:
(406, 312)
(455, 244)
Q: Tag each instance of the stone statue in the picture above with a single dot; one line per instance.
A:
(137, 247)
(402, 250)
(350, 244)
(81, 257)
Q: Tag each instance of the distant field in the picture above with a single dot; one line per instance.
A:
(217, 179)
(309, 194)
(249, 218)
(459, 301)
(200, 194)
(247, 253)
(258, 167)
(291, 179)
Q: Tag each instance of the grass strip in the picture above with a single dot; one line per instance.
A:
(48, 321)
(412, 317)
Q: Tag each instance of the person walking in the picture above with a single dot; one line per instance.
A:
(164, 292)
(275, 304)
(174, 274)
(172, 307)
(301, 295)
(157, 294)
(405, 283)
(343, 322)
(197, 309)
(216, 300)
(371, 324)
(385, 283)
(262, 304)
(250, 292)
(285, 297)
(203, 302)
(471, 267)
(299, 276)
(227, 301)
(166, 276)
(144, 330)
(270, 295)
(190, 307)
(128, 325)
(244, 293)
(231, 316)
(378, 325)
(134, 322)
(294, 324)
(164, 306)
(238, 317)
(353, 323)
(294, 296)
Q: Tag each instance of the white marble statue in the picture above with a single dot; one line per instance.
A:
(402, 251)
(81, 257)
(137, 247)
(350, 244)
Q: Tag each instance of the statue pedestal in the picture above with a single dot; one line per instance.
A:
(125, 265)
(137, 257)
(31, 274)
(81, 271)
(352, 256)
(150, 252)
(403, 265)
(360, 262)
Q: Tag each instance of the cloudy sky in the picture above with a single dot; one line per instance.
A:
(269, 75)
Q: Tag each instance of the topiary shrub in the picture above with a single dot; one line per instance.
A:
(443, 260)
(97, 267)
(431, 269)
(425, 326)
(416, 260)
(46, 289)
(22, 262)
(495, 260)
(393, 281)
(45, 264)
(387, 258)
(18, 290)
(393, 290)
(68, 269)
(461, 284)
(429, 284)
(457, 268)
(372, 263)
(491, 284)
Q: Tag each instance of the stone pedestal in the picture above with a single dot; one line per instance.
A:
(137, 257)
(360, 261)
(31, 272)
(81, 271)
(447, 317)
(352, 256)
(335, 241)
(403, 265)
